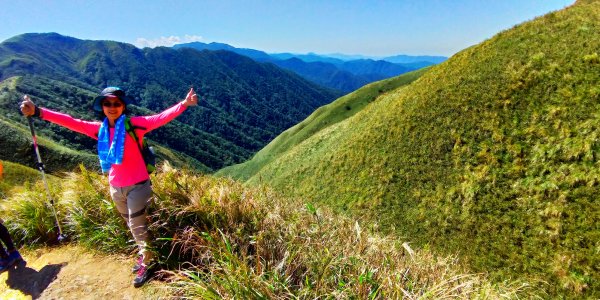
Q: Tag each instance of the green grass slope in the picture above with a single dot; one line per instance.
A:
(323, 117)
(16, 146)
(15, 176)
(218, 239)
(498, 146)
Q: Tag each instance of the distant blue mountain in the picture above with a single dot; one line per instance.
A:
(325, 74)
(310, 57)
(342, 72)
(254, 54)
(377, 69)
(423, 60)
(347, 57)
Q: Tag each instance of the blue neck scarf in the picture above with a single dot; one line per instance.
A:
(111, 153)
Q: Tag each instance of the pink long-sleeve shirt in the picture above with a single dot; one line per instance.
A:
(133, 169)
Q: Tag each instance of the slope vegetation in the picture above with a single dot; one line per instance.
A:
(216, 239)
(322, 118)
(497, 146)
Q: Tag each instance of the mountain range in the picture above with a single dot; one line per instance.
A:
(244, 104)
(334, 72)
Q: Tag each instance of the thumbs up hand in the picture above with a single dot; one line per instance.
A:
(28, 108)
(191, 99)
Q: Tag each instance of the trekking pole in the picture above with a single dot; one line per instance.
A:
(41, 167)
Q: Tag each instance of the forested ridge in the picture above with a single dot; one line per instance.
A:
(244, 104)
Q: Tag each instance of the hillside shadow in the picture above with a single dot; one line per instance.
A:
(32, 282)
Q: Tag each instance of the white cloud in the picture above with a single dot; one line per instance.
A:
(166, 41)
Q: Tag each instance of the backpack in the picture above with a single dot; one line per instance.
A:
(146, 151)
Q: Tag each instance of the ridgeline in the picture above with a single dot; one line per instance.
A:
(244, 104)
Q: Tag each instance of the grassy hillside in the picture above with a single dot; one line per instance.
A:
(16, 146)
(220, 240)
(497, 146)
(323, 117)
(16, 176)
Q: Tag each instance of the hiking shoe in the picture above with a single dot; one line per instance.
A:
(143, 274)
(138, 264)
(13, 257)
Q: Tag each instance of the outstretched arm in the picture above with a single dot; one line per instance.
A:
(28, 108)
(154, 121)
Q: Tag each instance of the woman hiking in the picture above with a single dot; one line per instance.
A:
(120, 156)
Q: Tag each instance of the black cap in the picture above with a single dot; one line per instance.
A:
(110, 91)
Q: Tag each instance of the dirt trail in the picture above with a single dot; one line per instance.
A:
(70, 272)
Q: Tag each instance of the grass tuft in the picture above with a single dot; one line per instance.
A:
(217, 239)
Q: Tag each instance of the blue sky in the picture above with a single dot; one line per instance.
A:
(373, 28)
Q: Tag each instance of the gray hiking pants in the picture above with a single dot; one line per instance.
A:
(131, 202)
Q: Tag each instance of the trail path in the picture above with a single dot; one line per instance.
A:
(70, 272)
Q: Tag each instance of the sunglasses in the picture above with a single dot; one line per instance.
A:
(112, 104)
